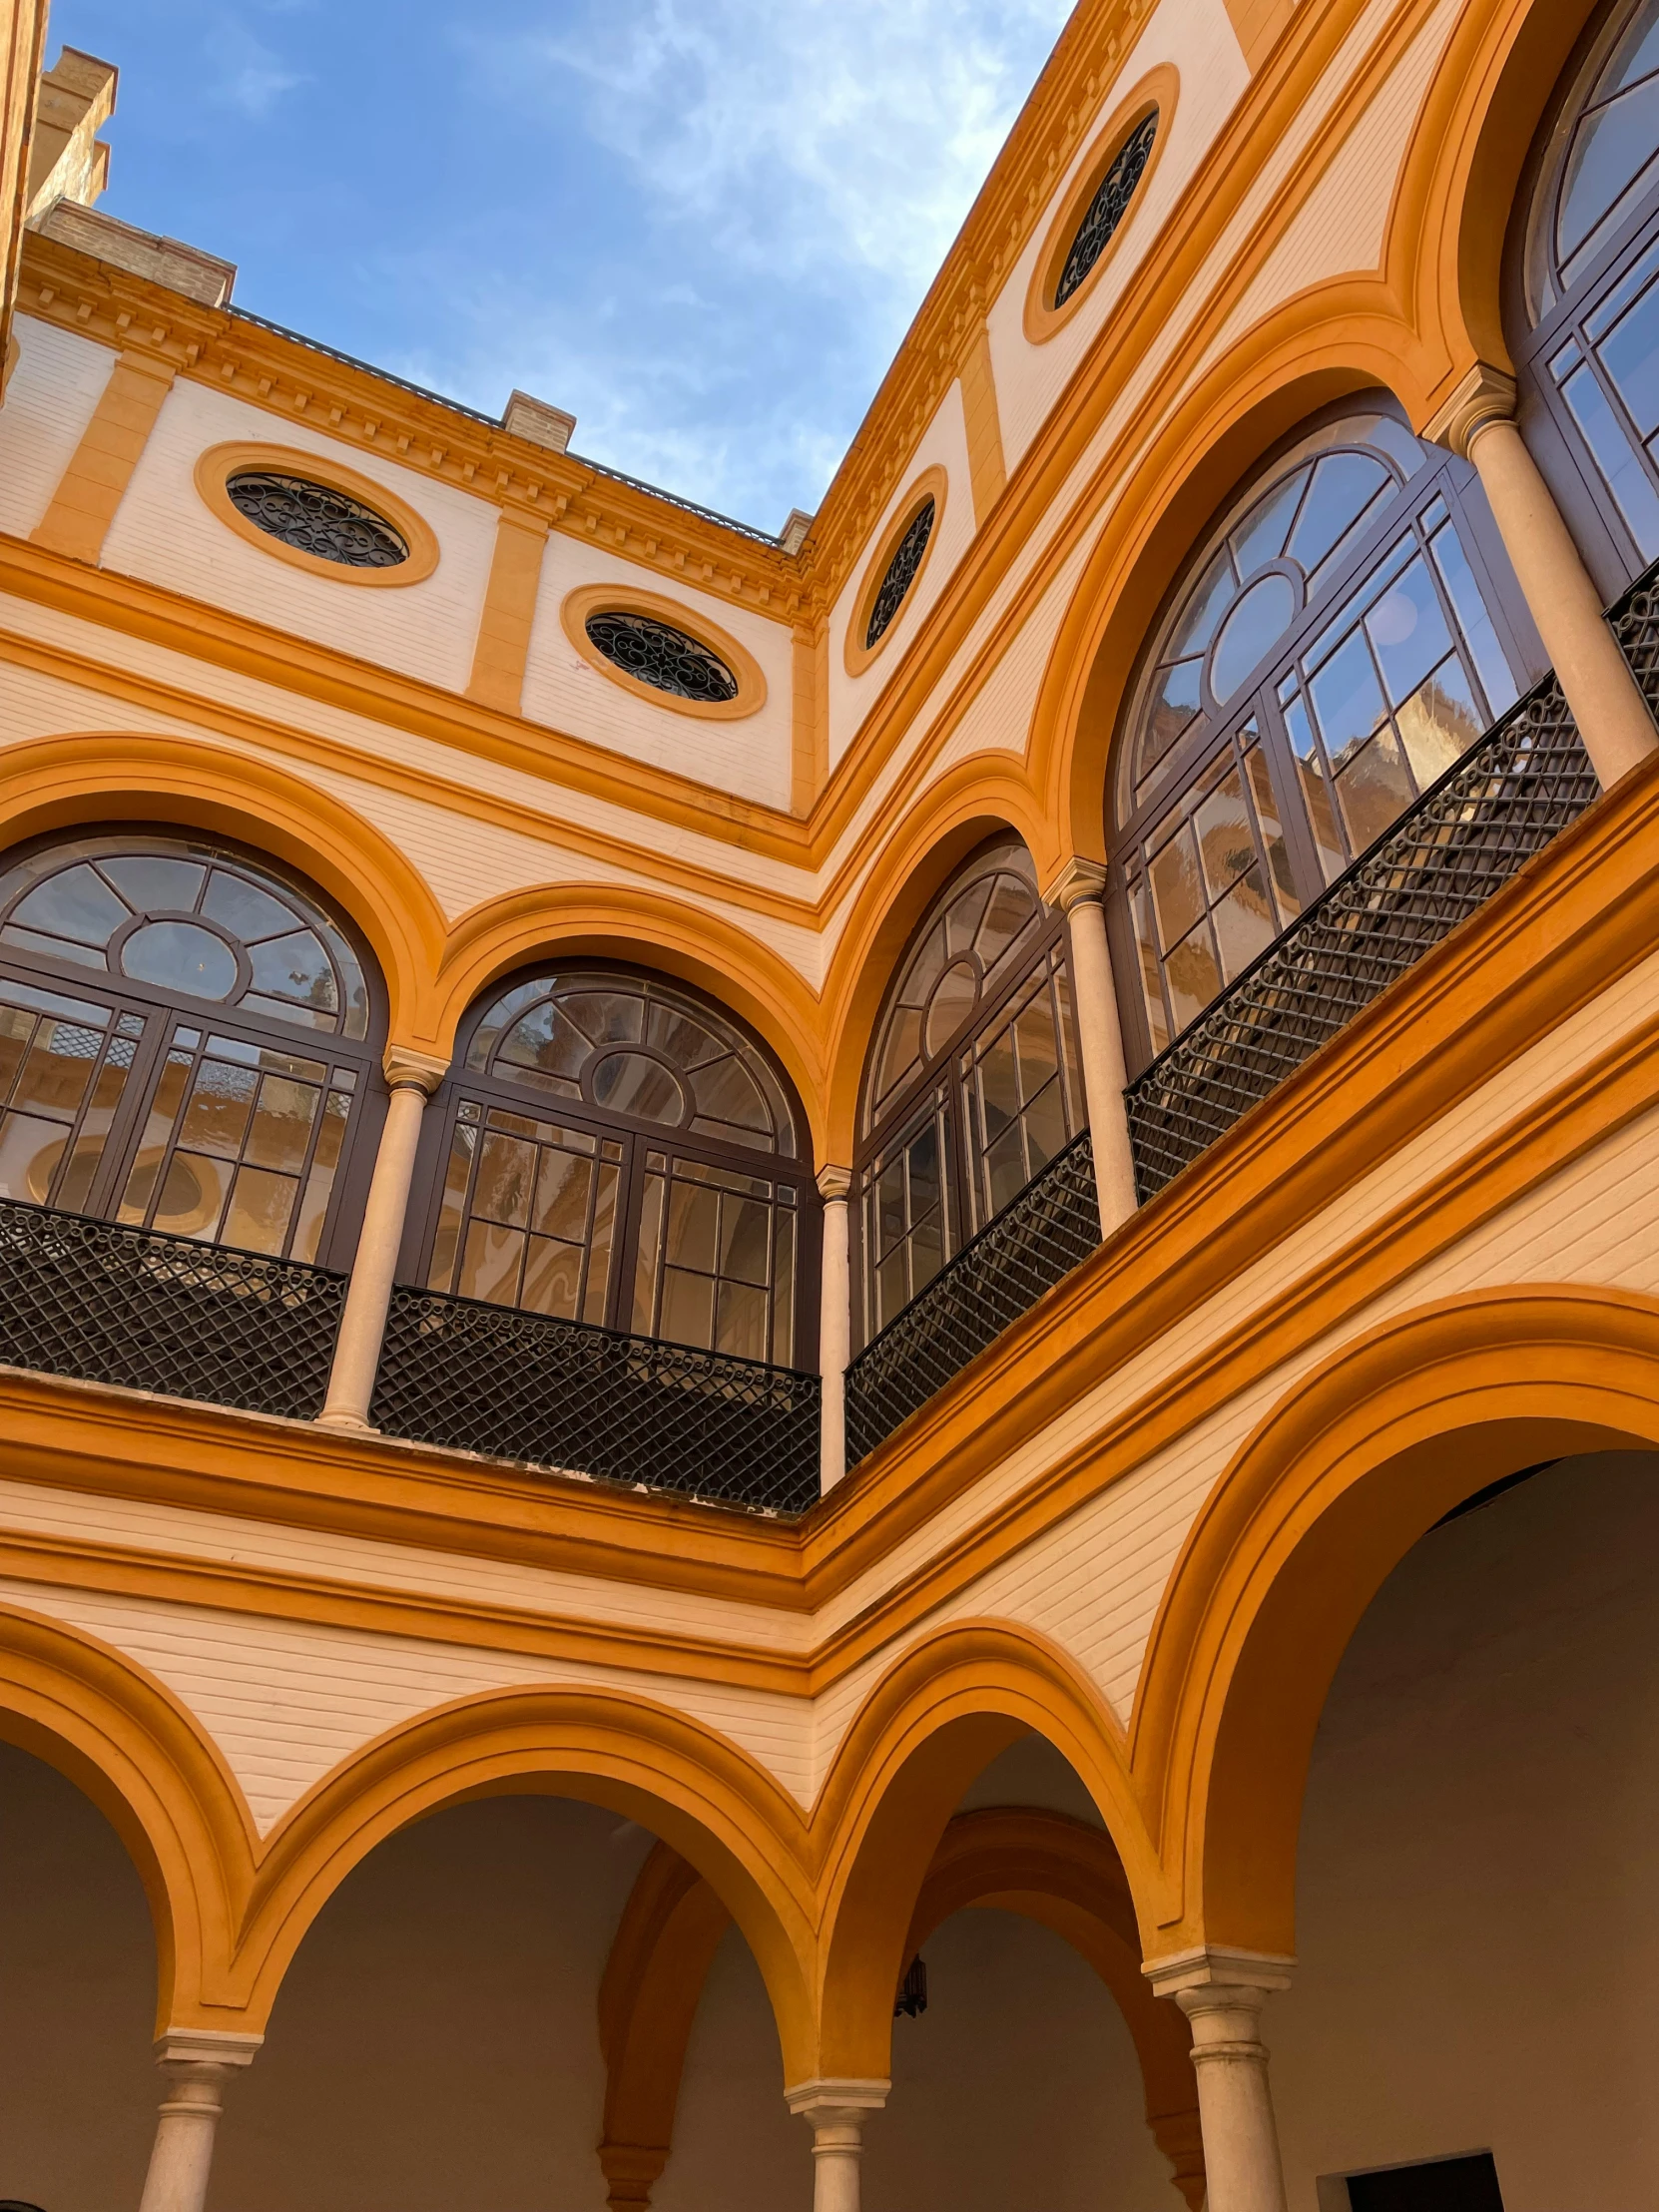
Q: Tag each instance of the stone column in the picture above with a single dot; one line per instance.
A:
(1222, 1992)
(198, 2064)
(413, 1077)
(835, 2110)
(1078, 890)
(834, 1324)
(1478, 421)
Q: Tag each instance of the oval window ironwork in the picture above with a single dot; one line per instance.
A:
(317, 519)
(1108, 207)
(901, 572)
(657, 654)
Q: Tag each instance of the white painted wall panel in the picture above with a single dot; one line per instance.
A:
(751, 757)
(165, 533)
(1198, 37)
(50, 398)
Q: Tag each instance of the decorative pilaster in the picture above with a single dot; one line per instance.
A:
(1079, 892)
(198, 2064)
(835, 1327)
(1222, 1992)
(1478, 421)
(835, 2110)
(413, 1077)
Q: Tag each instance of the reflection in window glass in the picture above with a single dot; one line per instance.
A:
(1315, 724)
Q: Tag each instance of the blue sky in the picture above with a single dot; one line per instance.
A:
(700, 224)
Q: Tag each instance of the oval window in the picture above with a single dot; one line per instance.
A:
(900, 573)
(315, 519)
(1108, 207)
(657, 654)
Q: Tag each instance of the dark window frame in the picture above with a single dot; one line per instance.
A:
(1201, 747)
(938, 1088)
(1546, 423)
(164, 1011)
(638, 1137)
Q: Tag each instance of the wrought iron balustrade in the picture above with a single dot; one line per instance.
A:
(564, 1394)
(1635, 621)
(107, 1304)
(1462, 841)
(1021, 1253)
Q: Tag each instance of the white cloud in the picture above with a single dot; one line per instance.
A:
(248, 75)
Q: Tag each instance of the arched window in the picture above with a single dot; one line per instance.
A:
(185, 1042)
(616, 1151)
(1584, 294)
(972, 1083)
(1333, 647)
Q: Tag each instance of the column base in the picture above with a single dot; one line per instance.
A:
(354, 1424)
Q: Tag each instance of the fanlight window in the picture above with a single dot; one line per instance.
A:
(619, 1154)
(1108, 208)
(1338, 647)
(317, 519)
(901, 574)
(973, 1085)
(657, 654)
(1591, 348)
(182, 1043)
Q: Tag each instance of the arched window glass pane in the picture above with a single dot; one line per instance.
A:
(145, 1074)
(1333, 655)
(973, 1085)
(192, 919)
(619, 1154)
(1592, 281)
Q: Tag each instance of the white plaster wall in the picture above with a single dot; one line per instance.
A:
(751, 757)
(165, 532)
(1198, 37)
(942, 444)
(51, 398)
(1475, 1900)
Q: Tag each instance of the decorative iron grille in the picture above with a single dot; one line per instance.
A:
(107, 1304)
(901, 572)
(1527, 779)
(563, 1395)
(1635, 621)
(1108, 207)
(998, 1274)
(662, 657)
(317, 519)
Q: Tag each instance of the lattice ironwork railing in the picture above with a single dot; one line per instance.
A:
(1023, 1252)
(563, 1395)
(1526, 780)
(106, 1304)
(1635, 621)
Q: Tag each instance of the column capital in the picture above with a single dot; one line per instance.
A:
(1079, 883)
(1483, 396)
(838, 2100)
(205, 2046)
(1219, 1967)
(411, 1070)
(833, 1182)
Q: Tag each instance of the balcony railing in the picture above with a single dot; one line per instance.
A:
(1042, 1235)
(106, 1304)
(564, 1396)
(1526, 780)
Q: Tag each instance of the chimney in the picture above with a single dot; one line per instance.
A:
(534, 419)
(68, 159)
(793, 533)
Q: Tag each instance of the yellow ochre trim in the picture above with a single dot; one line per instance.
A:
(988, 467)
(508, 612)
(219, 464)
(101, 467)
